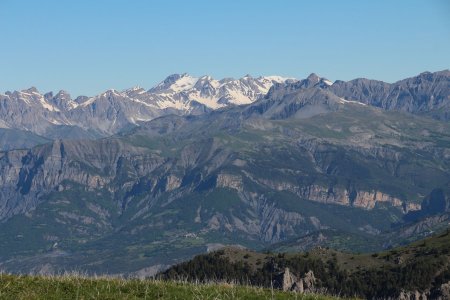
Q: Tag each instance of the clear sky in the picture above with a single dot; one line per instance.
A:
(88, 46)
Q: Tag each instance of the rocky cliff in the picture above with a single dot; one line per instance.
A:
(266, 172)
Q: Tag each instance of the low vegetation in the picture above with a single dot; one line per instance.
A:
(233, 273)
(422, 266)
(79, 287)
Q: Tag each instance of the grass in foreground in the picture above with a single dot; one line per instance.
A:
(78, 287)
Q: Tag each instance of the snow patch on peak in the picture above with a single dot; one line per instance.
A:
(32, 97)
(133, 89)
(277, 78)
(183, 84)
(175, 83)
(327, 82)
(112, 92)
(206, 77)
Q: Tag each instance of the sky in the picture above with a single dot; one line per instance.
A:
(88, 46)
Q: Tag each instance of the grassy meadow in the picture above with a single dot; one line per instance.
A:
(81, 287)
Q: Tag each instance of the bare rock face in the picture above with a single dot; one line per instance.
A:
(326, 195)
(338, 195)
(444, 291)
(289, 282)
(229, 181)
(427, 92)
(414, 295)
(173, 183)
(286, 281)
(412, 207)
(277, 223)
(367, 200)
(309, 280)
(26, 175)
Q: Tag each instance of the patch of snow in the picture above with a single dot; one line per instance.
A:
(72, 105)
(47, 105)
(36, 95)
(26, 100)
(343, 101)
(89, 101)
(141, 102)
(277, 78)
(168, 102)
(142, 119)
(210, 102)
(184, 83)
(238, 98)
(56, 122)
(327, 82)
(136, 89)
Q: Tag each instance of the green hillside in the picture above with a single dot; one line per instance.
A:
(78, 287)
(420, 267)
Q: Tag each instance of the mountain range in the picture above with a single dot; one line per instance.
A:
(54, 116)
(50, 116)
(151, 178)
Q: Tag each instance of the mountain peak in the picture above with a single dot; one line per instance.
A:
(205, 77)
(62, 93)
(31, 90)
(176, 83)
(134, 88)
(48, 95)
(276, 78)
(313, 77)
(174, 77)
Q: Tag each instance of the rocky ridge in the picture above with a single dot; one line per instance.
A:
(303, 161)
(60, 116)
(54, 116)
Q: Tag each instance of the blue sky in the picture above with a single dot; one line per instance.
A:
(88, 46)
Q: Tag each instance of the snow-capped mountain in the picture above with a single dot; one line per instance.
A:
(29, 110)
(178, 91)
(59, 115)
(52, 116)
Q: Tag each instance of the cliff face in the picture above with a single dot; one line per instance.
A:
(28, 176)
(339, 195)
(369, 199)
(254, 175)
(230, 181)
(125, 172)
